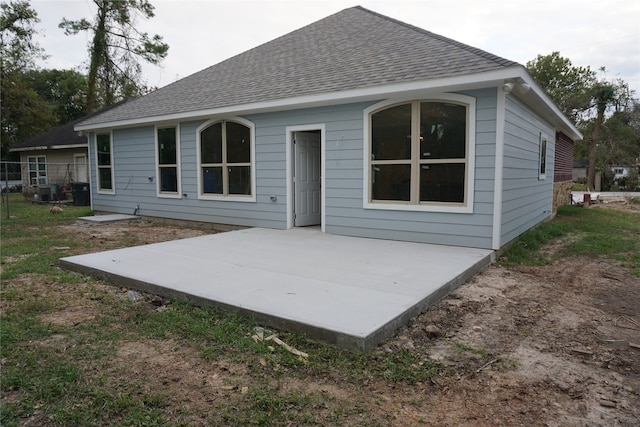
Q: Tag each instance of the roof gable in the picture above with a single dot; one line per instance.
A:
(352, 49)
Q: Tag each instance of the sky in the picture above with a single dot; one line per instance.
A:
(201, 33)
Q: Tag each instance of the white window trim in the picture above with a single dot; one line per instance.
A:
(231, 197)
(290, 130)
(159, 192)
(470, 102)
(37, 171)
(543, 142)
(112, 166)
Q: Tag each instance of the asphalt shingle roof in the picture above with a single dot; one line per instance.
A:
(61, 135)
(352, 49)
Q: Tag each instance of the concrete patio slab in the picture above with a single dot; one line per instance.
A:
(108, 219)
(351, 292)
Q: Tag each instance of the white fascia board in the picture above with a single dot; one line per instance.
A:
(53, 147)
(464, 82)
(537, 97)
(61, 147)
(15, 150)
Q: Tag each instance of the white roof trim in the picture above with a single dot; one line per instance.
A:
(53, 147)
(538, 97)
(401, 90)
(60, 147)
(41, 147)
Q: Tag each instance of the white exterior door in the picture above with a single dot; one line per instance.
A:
(80, 168)
(306, 179)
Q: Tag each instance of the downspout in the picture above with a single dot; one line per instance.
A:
(499, 165)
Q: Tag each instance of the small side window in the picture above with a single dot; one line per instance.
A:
(104, 158)
(168, 148)
(542, 172)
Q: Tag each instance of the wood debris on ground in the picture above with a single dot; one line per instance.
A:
(259, 337)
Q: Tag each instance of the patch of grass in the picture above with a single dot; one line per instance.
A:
(19, 328)
(24, 213)
(30, 235)
(576, 186)
(507, 364)
(407, 366)
(484, 354)
(267, 406)
(595, 233)
(213, 332)
(44, 374)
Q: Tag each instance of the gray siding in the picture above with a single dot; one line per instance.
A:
(526, 200)
(134, 163)
(134, 160)
(345, 214)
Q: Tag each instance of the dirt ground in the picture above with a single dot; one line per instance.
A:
(555, 345)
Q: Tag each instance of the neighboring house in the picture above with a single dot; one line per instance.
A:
(57, 157)
(357, 123)
(619, 172)
(562, 171)
(580, 169)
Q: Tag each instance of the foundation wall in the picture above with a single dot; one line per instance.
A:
(561, 194)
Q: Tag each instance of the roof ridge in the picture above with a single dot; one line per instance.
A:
(468, 48)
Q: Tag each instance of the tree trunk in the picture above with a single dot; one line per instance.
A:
(97, 55)
(593, 147)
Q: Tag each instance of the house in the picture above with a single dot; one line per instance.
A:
(580, 169)
(56, 158)
(52, 160)
(358, 123)
(619, 172)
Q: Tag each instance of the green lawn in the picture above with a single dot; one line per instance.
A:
(593, 232)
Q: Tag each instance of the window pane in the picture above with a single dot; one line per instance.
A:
(442, 182)
(104, 149)
(169, 179)
(212, 180)
(238, 143)
(104, 176)
(240, 180)
(211, 144)
(167, 146)
(391, 133)
(443, 130)
(391, 182)
(543, 156)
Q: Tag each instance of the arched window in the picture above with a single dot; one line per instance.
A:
(225, 158)
(419, 154)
